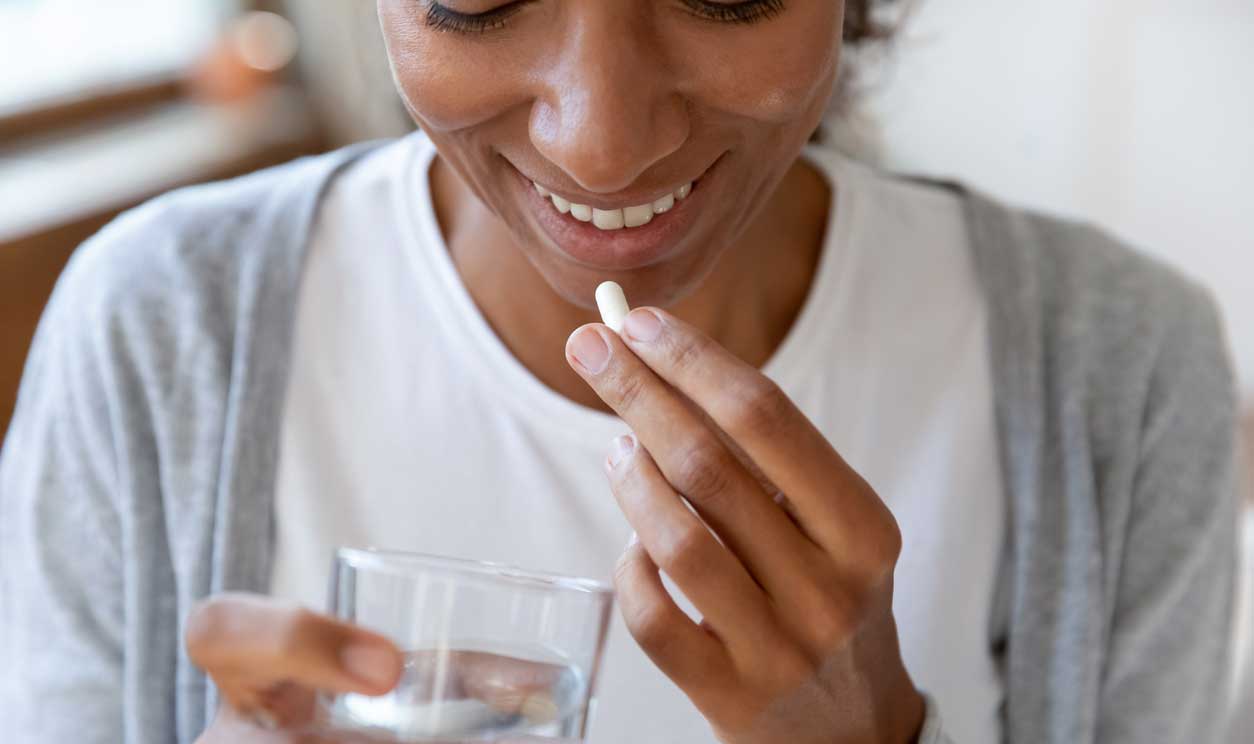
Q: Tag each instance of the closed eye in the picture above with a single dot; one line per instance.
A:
(443, 18)
(747, 11)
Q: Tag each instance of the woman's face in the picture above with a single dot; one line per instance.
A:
(617, 105)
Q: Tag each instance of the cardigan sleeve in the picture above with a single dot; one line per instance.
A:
(61, 569)
(1166, 673)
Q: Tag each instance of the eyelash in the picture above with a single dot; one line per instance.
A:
(750, 11)
(442, 18)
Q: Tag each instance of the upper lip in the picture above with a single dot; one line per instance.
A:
(620, 200)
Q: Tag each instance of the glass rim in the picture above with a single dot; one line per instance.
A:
(393, 561)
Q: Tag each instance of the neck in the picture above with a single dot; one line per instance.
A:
(747, 310)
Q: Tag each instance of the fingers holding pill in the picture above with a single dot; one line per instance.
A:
(690, 458)
(785, 550)
(697, 459)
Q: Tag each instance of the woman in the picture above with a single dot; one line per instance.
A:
(970, 470)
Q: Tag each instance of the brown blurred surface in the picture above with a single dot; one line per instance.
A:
(98, 105)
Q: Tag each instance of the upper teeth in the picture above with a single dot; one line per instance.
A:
(616, 219)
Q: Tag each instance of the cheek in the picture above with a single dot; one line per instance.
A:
(446, 83)
(779, 74)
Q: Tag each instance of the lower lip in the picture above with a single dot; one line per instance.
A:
(617, 250)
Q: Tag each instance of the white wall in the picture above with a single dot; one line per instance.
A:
(1137, 114)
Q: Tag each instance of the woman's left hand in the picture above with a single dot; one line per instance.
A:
(797, 642)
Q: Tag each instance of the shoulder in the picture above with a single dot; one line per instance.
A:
(1071, 278)
(163, 299)
(1083, 268)
(1107, 329)
(198, 242)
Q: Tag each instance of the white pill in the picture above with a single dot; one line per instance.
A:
(613, 305)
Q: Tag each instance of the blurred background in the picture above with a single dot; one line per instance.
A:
(1135, 114)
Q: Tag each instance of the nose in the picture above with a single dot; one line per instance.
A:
(610, 107)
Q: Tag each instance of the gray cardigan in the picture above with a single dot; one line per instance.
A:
(138, 473)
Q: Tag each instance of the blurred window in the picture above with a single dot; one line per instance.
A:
(58, 49)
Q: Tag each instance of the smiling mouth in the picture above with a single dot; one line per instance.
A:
(622, 236)
(616, 219)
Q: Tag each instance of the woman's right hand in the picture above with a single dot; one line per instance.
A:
(269, 660)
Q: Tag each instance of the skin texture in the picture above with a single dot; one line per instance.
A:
(610, 100)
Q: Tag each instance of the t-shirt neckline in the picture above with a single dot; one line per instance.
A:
(500, 372)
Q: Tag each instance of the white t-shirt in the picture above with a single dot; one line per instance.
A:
(409, 425)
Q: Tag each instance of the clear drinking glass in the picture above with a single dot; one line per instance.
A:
(493, 653)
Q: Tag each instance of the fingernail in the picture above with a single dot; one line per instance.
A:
(621, 448)
(643, 325)
(369, 663)
(590, 349)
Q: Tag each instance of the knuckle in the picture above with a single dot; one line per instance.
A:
(790, 667)
(624, 571)
(833, 621)
(648, 621)
(630, 567)
(629, 391)
(703, 473)
(651, 625)
(880, 552)
(890, 545)
(761, 409)
(686, 352)
(684, 553)
(628, 480)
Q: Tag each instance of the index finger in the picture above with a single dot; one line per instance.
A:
(831, 502)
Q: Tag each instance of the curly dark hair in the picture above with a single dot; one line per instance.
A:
(864, 28)
(861, 24)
